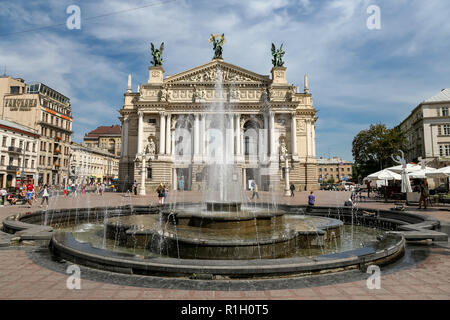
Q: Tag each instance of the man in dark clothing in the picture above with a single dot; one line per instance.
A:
(292, 189)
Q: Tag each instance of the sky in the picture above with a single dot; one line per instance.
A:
(357, 75)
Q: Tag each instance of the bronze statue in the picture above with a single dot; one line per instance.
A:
(157, 55)
(277, 55)
(218, 41)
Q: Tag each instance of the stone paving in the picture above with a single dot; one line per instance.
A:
(22, 278)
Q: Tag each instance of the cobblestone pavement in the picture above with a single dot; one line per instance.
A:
(22, 278)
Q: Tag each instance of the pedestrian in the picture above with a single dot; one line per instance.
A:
(45, 196)
(255, 190)
(292, 189)
(423, 194)
(29, 194)
(102, 188)
(135, 184)
(160, 192)
(3, 194)
(311, 199)
(83, 189)
(67, 190)
(181, 184)
(166, 191)
(368, 188)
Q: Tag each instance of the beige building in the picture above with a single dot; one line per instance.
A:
(427, 131)
(185, 122)
(339, 169)
(18, 154)
(46, 111)
(92, 165)
(105, 137)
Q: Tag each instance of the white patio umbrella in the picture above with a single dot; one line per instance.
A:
(410, 167)
(384, 174)
(439, 173)
(406, 184)
(423, 173)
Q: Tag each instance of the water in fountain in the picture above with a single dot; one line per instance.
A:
(223, 183)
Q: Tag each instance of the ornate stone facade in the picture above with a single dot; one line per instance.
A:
(170, 119)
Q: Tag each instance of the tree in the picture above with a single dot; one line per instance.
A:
(372, 148)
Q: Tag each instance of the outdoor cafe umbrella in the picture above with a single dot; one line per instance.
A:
(439, 173)
(384, 174)
(423, 173)
(410, 167)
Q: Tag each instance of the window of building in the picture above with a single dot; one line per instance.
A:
(14, 89)
(444, 150)
(446, 129)
(13, 142)
(11, 161)
(32, 164)
(348, 169)
(331, 169)
(320, 169)
(2, 161)
(21, 144)
(444, 111)
(27, 146)
(26, 163)
(34, 147)
(4, 141)
(149, 173)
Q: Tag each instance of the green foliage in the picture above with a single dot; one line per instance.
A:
(372, 149)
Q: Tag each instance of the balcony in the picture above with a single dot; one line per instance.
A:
(14, 150)
(57, 151)
(56, 167)
(12, 168)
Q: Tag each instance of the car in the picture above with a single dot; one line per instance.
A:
(441, 189)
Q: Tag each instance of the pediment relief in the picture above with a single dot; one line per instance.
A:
(210, 72)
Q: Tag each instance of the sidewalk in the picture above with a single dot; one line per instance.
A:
(22, 278)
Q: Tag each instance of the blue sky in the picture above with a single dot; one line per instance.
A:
(357, 76)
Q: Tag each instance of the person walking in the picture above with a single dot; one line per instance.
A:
(311, 199)
(160, 192)
(255, 190)
(45, 196)
(3, 194)
(29, 194)
(292, 189)
(423, 194)
(135, 184)
(166, 191)
(68, 190)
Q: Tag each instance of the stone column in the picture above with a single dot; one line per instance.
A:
(314, 140)
(308, 143)
(125, 136)
(168, 137)
(196, 136)
(140, 131)
(143, 172)
(174, 179)
(237, 131)
(287, 192)
(231, 136)
(294, 134)
(203, 136)
(266, 135)
(162, 133)
(272, 134)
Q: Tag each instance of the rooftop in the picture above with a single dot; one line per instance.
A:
(334, 160)
(444, 95)
(113, 130)
(15, 125)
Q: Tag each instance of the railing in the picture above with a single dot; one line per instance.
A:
(12, 168)
(14, 149)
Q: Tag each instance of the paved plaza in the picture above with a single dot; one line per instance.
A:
(423, 274)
